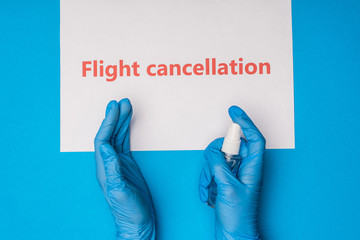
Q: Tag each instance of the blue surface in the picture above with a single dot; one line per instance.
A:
(309, 193)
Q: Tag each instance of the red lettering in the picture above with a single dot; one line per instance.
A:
(148, 70)
(178, 69)
(213, 61)
(207, 64)
(232, 66)
(240, 66)
(122, 66)
(247, 68)
(185, 69)
(135, 66)
(197, 68)
(261, 68)
(223, 69)
(101, 68)
(111, 76)
(84, 68)
(162, 70)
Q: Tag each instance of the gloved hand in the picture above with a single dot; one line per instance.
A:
(119, 176)
(238, 194)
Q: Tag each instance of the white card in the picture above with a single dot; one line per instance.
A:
(188, 62)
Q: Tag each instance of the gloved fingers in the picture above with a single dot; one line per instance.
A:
(104, 135)
(204, 183)
(123, 133)
(114, 177)
(250, 171)
(126, 144)
(251, 132)
(243, 149)
(219, 168)
(216, 144)
(107, 127)
(123, 123)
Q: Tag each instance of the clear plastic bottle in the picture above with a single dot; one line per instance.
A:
(231, 149)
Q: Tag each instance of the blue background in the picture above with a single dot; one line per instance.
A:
(311, 192)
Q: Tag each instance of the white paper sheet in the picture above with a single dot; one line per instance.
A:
(179, 112)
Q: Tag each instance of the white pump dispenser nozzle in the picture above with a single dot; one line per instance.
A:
(231, 145)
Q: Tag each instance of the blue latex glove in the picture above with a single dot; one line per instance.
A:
(119, 176)
(238, 194)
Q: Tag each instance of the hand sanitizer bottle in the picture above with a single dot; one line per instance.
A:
(230, 148)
